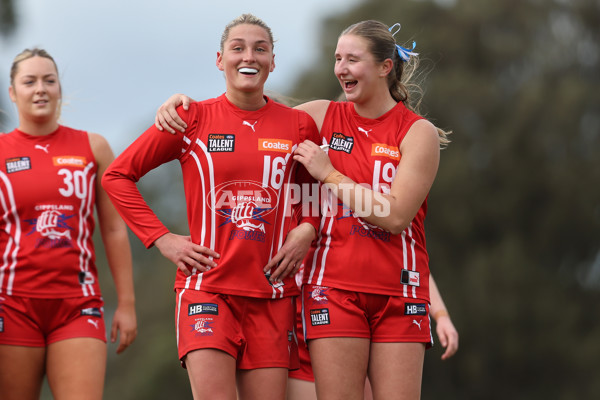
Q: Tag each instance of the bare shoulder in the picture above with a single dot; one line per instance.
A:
(422, 132)
(316, 109)
(100, 147)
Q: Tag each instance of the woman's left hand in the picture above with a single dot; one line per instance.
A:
(289, 258)
(314, 159)
(124, 324)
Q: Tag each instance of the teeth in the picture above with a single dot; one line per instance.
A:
(248, 70)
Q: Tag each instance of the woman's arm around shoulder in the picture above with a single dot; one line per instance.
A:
(167, 117)
(118, 253)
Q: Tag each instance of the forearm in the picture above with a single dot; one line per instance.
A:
(118, 254)
(374, 207)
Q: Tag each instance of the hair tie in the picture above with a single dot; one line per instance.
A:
(403, 52)
(397, 24)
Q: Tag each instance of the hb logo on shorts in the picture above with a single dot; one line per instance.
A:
(203, 308)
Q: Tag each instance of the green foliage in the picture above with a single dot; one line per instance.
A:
(514, 216)
(8, 20)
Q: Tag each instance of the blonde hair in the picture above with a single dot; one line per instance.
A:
(246, 19)
(382, 45)
(25, 55)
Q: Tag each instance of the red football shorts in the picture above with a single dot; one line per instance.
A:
(258, 333)
(330, 312)
(33, 322)
(305, 372)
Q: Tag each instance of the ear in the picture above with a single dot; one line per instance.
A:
(386, 67)
(272, 64)
(12, 94)
(220, 61)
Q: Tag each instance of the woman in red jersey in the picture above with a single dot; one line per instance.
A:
(51, 309)
(366, 295)
(234, 320)
(367, 311)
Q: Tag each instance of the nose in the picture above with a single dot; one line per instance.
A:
(249, 54)
(340, 68)
(40, 87)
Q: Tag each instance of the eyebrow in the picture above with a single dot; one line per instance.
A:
(43, 76)
(244, 40)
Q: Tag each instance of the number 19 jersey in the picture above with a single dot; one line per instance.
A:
(350, 253)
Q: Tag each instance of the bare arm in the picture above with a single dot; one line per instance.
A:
(316, 109)
(414, 176)
(446, 332)
(116, 243)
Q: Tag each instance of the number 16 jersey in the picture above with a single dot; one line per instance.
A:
(238, 176)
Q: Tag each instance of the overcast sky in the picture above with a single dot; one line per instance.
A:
(119, 60)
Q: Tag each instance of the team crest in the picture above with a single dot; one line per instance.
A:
(319, 295)
(52, 225)
(203, 327)
(244, 204)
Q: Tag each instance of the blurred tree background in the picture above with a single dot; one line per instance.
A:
(514, 215)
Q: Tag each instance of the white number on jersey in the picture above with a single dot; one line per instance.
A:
(385, 174)
(273, 172)
(75, 183)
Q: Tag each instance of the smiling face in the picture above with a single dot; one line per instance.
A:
(36, 90)
(246, 58)
(361, 77)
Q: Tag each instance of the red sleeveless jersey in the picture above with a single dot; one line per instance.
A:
(350, 253)
(47, 198)
(237, 173)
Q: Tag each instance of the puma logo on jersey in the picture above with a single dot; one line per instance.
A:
(93, 322)
(366, 132)
(246, 123)
(414, 321)
(45, 148)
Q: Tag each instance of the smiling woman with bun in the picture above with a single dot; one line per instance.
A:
(234, 321)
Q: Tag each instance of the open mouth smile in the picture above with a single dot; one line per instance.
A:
(248, 71)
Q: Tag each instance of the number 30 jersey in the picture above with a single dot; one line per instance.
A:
(350, 253)
(239, 180)
(47, 198)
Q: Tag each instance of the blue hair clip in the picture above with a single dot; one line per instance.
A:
(403, 52)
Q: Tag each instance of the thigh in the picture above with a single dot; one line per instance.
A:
(396, 370)
(300, 389)
(21, 372)
(75, 368)
(212, 374)
(262, 384)
(340, 367)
